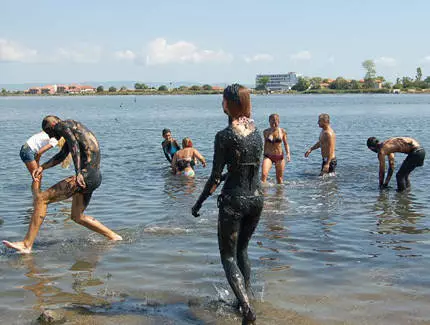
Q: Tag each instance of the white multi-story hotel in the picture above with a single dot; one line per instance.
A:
(279, 81)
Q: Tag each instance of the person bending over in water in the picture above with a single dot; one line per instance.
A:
(31, 152)
(170, 145)
(239, 146)
(83, 146)
(327, 142)
(183, 160)
(273, 154)
(409, 146)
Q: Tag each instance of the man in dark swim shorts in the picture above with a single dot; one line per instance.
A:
(85, 151)
(411, 147)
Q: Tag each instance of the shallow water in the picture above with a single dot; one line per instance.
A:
(334, 250)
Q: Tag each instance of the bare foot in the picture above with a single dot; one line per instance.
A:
(18, 246)
(116, 238)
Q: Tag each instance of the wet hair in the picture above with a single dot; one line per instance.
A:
(325, 117)
(238, 100)
(48, 120)
(372, 142)
(187, 143)
(165, 131)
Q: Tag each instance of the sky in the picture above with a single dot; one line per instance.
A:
(209, 41)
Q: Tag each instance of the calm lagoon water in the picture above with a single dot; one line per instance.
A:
(327, 251)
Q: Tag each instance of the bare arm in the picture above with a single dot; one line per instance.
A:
(42, 150)
(173, 164)
(286, 145)
(390, 169)
(381, 158)
(197, 155)
(314, 147)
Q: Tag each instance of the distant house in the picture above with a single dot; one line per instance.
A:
(49, 90)
(33, 91)
(217, 88)
(86, 89)
(61, 89)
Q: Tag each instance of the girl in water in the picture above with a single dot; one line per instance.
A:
(273, 153)
(239, 147)
(31, 152)
(184, 159)
(170, 145)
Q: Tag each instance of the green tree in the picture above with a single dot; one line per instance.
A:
(137, 86)
(262, 83)
(354, 84)
(163, 88)
(195, 88)
(207, 87)
(123, 88)
(339, 83)
(183, 88)
(3, 91)
(419, 74)
(100, 89)
(302, 84)
(407, 82)
(112, 89)
(387, 85)
(369, 66)
(315, 82)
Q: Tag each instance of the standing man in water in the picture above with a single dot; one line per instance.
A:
(83, 146)
(327, 142)
(409, 146)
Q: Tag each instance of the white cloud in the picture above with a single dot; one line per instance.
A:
(301, 56)
(386, 61)
(426, 59)
(125, 55)
(79, 54)
(160, 52)
(259, 57)
(14, 52)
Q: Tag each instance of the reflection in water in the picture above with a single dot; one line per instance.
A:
(43, 280)
(397, 214)
(176, 186)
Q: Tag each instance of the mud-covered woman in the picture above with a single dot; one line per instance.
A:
(239, 147)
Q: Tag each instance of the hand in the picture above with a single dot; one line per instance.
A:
(307, 153)
(204, 164)
(195, 210)
(326, 168)
(37, 173)
(288, 157)
(80, 180)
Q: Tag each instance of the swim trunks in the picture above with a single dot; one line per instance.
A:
(332, 167)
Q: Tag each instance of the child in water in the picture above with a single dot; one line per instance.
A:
(31, 152)
(170, 145)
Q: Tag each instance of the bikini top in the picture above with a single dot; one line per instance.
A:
(183, 163)
(272, 140)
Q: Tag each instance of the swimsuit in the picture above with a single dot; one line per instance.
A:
(414, 159)
(274, 158)
(332, 167)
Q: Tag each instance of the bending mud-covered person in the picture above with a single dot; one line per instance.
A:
(327, 143)
(411, 147)
(239, 146)
(83, 146)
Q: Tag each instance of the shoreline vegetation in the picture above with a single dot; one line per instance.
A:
(323, 91)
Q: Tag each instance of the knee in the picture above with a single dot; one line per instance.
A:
(77, 217)
(39, 198)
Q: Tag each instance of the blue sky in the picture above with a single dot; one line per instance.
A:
(209, 41)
